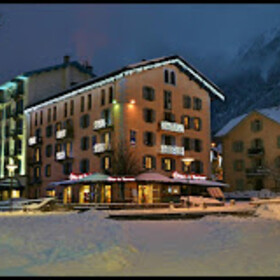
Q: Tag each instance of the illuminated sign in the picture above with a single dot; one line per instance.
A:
(177, 175)
(74, 176)
(172, 150)
(176, 127)
(60, 155)
(121, 179)
(32, 141)
(61, 134)
(99, 124)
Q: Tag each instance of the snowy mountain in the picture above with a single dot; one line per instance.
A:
(253, 80)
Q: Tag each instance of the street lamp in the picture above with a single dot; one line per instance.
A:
(11, 168)
(188, 162)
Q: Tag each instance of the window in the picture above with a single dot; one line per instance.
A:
(37, 172)
(19, 126)
(149, 115)
(278, 142)
(38, 132)
(54, 113)
(48, 170)
(187, 143)
(58, 148)
(49, 114)
(106, 114)
(197, 124)
(149, 162)
(149, 138)
(67, 168)
(37, 154)
(36, 119)
(49, 131)
(187, 102)
(89, 102)
(256, 125)
(148, 93)
(277, 162)
(172, 78)
(106, 163)
(49, 150)
(238, 146)
(102, 97)
(41, 117)
(257, 143)
(239, 184)
(168, 116)
(18, 146)
(166, 76)
(19, 106)
(93, 139)
(72, 107)
(68, 149)
(84, 143)
(168, 164)
(167, 100)
(238, 165)
(132, 138)
(186, 121)
(84, 166)
(197, 145)
(197, 104)
(82, 104)
(57, 126)
(168, 140)
(8, 111)
(197, 167)
(84, 121)
(65, 110)
(111, 95)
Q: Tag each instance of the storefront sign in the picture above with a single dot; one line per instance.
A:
(99, 124)
(177, 175)
(172, 150)
(61, 134)
(74, 176)
(176, 127)
(121, 179)
(32, 141)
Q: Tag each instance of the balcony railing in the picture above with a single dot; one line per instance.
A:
(257, 171)
(172, 150)
(64, 133)
(101, 148)
(62, 155)
(255, 151)
(101, 124)
(172, 126)
(34, 140)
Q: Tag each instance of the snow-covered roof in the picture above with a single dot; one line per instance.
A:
(182, 64)
(272, 113)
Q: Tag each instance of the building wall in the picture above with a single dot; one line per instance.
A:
(125, 116)
(243, 132)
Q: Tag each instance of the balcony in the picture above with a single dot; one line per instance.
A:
(101, 124)
(255, 152)
(101, 148)
(34, 140)
(172, 126)
(61, 156)
(172, 150)
(64, 134)
(257, 171)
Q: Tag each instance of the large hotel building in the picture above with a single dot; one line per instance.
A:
(152, 115)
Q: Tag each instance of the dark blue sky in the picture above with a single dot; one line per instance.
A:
(110, 36)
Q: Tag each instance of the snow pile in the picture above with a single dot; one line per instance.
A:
(264, 193)
(65, 244)
(269, 211)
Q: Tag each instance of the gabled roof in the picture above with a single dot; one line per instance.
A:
(59, 66)
(129, 70)
(272, 113)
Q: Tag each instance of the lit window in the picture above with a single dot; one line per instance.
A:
(197, 124)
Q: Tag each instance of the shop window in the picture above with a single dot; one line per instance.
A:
(148, 93)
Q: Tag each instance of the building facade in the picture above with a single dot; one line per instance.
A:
(153, 115)
(251, 150)
(17, 94)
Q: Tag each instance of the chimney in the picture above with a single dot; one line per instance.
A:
(66, 59)
(88, 66)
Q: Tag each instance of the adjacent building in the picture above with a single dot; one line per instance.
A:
(251, 150)
(150, 116)
(20, 92)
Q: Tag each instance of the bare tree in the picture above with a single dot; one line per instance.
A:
(124, 160)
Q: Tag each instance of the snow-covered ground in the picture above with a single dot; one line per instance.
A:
(86, 244)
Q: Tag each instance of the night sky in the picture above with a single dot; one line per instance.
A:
(111, 36)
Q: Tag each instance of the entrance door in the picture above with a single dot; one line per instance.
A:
(108, 193)
(84, 194)
(67, 195)
(145, 194)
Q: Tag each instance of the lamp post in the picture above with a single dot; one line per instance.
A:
(188, 162)
(11, 168)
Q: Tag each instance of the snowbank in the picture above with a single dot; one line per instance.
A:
(269, 211)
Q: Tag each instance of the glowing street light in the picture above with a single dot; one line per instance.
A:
(188, 162)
